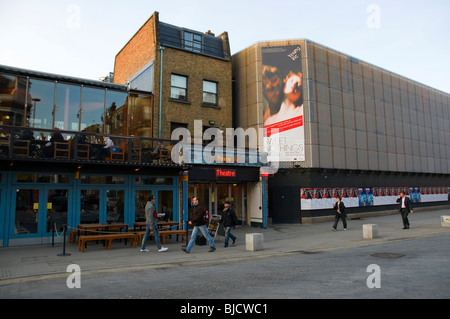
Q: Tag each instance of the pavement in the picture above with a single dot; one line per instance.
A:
(28, 263)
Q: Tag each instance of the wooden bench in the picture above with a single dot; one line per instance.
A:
(163, 234)
(76, 233)
(108, 238)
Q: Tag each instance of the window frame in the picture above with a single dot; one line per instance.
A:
(190, 42)
(215, 94)
(178, 88)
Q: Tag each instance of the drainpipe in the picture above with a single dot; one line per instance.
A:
(160, 89)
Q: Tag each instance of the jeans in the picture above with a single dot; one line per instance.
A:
(155, 234)
(205, 233)
(228, 235)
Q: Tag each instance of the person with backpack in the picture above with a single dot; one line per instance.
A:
(199, 221)
(229, 220)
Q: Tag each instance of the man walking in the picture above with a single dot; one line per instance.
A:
(405, 207)
(151, 219)
(340, 213)
(199, 223)
(229, 220)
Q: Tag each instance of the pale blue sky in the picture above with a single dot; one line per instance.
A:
(81, 38)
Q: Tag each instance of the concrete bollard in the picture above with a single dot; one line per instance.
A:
(445, 221)
(370, 231)
(254, 242)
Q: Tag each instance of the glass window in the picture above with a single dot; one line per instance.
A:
(57, 209)
(90, 203)
(115, 204)
(178, 89)
(197, 43)
(40, 103)
(143, 81)
(93, 110)
(154, 180)
(116, 112)
(140, 115)
(165, 205)
(12, 99)
(141, 198)
(27, 205)
(37, 178)
(193, 41)
(102, 179)
(67, 111)
(210, 92)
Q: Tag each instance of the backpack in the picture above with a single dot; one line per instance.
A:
(206, 216)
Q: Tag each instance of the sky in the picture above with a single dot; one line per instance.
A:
(81, 38)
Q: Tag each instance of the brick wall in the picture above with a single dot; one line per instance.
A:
(137, 53)
(197, 68)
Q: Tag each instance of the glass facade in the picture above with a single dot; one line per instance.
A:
(67, 110)
(47, 104)
(12, 99)
(40, 103)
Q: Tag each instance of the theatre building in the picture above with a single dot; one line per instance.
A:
(339, 126)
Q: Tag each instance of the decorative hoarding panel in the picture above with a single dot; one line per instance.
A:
(324, 198)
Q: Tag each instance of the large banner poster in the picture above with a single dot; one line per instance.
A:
(283, 103)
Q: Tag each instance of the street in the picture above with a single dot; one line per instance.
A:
(413, 268)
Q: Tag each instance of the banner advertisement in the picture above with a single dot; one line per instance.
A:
(283, 103)
(324, 198)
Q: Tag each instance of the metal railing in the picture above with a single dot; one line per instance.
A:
(39, 144)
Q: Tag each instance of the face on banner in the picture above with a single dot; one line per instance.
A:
(283, 103)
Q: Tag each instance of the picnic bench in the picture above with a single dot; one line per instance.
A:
(107, 238)
(92, 229)
(163, 234)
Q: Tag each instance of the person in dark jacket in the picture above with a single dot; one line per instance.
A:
(229, 220)
(340, 213)
(405, 207)
(56, 136)
(199, 223)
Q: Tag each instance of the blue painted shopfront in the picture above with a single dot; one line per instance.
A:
(34, 204)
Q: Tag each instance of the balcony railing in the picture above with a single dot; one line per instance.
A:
(24, 143)
(43, 144)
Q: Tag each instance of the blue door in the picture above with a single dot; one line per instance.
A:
(38, 211)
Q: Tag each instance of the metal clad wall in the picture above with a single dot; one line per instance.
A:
(370, 119)
(356, 115)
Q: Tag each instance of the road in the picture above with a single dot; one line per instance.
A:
(412, 269)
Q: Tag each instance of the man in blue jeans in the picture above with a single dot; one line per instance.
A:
(151, 219)
(199, 223)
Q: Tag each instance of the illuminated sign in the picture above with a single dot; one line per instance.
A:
(225, 173)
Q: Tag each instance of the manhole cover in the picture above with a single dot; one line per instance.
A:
(387, 255)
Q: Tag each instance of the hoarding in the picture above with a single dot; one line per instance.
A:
(324, 198)
(283, 103)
